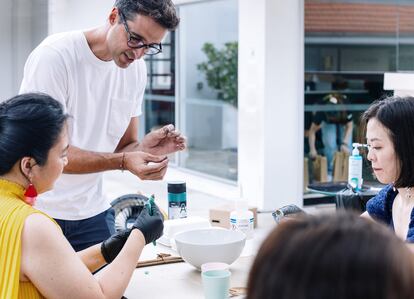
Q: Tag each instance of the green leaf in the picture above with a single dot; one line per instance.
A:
(220, 70)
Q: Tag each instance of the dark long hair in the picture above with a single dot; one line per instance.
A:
(397, 116)
(338, 256)
(30, 125)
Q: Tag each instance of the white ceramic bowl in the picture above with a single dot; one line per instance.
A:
(206, 245)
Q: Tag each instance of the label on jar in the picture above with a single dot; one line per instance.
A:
(245, 225)
(177, 210)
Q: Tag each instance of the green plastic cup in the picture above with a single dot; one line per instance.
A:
(216, 284)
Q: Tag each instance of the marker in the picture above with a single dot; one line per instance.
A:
(150, 205)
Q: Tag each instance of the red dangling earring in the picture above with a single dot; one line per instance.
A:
(30, 195)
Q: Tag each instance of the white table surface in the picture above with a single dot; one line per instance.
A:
(181, 280)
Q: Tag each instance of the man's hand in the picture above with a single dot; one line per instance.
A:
(146, 166)
(163, 141)
(312, 154)
(344, 148)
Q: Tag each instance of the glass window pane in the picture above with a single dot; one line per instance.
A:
(208, 86)
(159, 113)
(160, 90)
(405, 36)
(349, 44)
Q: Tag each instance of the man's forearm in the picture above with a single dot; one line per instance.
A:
(131, 147)
(82, 161)
(311, 141)
(348, 132)
(312, 136)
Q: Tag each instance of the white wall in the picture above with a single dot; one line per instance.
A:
(6, 54)
(22, 26)
(67, 15)
(400, 83)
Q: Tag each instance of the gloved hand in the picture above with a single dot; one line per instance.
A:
(151, 226)
(113, 245)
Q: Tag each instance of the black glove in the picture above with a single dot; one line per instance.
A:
(113, 245)
(151, 226)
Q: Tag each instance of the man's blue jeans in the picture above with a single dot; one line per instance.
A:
(84, 233)
(332, 135)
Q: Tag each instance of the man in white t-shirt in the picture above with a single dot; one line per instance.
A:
(99, 76)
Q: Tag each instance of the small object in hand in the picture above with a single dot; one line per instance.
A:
(169, 128)
(156, 163)
(287, 211)
(150, 204)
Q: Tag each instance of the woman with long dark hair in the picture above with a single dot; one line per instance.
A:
(389, 132)
(36, 260)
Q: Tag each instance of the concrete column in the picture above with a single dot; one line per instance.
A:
(271, 102)
(22, 27)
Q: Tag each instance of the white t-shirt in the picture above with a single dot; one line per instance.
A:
(100, 96)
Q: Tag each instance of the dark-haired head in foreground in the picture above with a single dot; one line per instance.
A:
(33, 140)
(337, 256)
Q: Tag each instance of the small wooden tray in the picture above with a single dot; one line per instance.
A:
(162, 258)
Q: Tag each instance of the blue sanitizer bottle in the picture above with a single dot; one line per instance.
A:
(355, 169)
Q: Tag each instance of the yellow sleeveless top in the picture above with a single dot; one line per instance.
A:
(13, 213)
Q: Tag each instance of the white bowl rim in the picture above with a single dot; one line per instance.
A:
(242, 235)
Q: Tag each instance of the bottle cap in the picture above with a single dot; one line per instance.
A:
(176, 187)
(355, 151)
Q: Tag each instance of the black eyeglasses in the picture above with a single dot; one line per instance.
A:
(137, 43)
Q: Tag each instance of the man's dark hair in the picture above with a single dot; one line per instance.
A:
(397, 116)
(162, 11)
(30, 125)
(332, 256)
